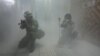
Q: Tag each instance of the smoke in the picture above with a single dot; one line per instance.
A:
(10, 33)
(47, 13)
(87, 43)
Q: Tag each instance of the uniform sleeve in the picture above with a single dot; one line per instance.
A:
(35, 24)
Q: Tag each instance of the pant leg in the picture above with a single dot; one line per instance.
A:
(31, 45)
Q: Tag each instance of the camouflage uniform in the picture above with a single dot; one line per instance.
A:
(68, 34)
(31, 27)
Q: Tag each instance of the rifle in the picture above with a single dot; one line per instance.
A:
(22, 24)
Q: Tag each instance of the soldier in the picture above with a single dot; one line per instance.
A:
(67, 21)
(67, 33)
(31, 26)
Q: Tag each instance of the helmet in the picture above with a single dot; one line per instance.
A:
(27, 14)
(68, 16)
